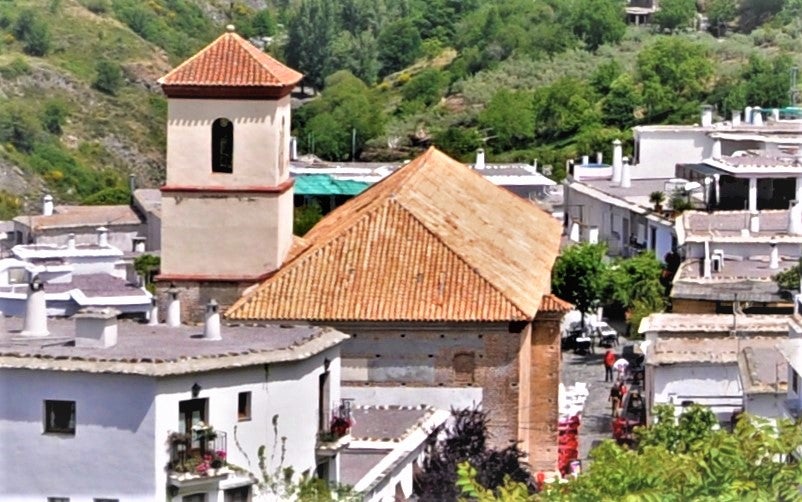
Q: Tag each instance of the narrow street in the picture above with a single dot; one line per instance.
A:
(596, 419)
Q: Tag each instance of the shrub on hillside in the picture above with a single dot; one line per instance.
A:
(109, 77)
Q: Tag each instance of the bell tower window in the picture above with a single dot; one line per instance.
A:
(222, 146)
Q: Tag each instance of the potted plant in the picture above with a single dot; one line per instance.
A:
(340, 426)
(657, 198)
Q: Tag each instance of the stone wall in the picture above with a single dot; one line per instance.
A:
(195, 295)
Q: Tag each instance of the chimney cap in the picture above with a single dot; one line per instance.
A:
(616, 141)
(36, 284)
(212, 306)
(48, 198)
(97, 313)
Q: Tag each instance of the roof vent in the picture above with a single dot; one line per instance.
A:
(795, 218)
(774, 256)
(35, 323)
(211, 329)
(173, 308)
(47, 205)
(153, 315)
(617, 160)
(96, 328)
(480, 159)
(102, 237)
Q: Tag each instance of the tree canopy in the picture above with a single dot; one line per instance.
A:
(579, 274)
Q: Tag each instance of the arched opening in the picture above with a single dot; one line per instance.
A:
(222, 146)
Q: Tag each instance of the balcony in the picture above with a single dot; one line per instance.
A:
(337, 435)
(198, 456)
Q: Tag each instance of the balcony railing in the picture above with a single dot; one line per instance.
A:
(339, 424)
(201, 452)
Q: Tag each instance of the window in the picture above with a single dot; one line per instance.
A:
(795, 382)
(244, 406)
(222, 146)
(241, 494)
(190, 412)
(60, 417)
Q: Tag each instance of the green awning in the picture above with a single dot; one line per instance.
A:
(324, 184)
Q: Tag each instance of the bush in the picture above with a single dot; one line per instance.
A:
(53, 116)
(109, 77)
(97, 6)
(33, 32)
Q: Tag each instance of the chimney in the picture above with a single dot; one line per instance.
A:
(599, 158)
(716, 154)
(96, 328)
(748, 114)
(139, 244)
(173, 308)
(102, 237)
(35, 323)
(153, 315)
(293, 148)
(585, 160)
(617, 156)
(211, 329)
(593, 235)
(775, 114)
(71, 241)
(795, 218)
(757, 117)
(626, 175)
(754, 222)
(47, 205)
(706, 268)
(480, 159)
(736, 118)
(774, 256)
(132, 183)
(707, 115)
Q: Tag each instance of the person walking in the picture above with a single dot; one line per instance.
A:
(609, 360)
(621, 366)
(615, 399)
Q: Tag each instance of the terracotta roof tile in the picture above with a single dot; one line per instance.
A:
(553, 303)
(231, 61)
(432, 242)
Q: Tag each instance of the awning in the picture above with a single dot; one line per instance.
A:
(324, 184)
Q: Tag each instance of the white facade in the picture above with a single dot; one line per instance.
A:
(715, 385)
(660, 148)
(122, 422)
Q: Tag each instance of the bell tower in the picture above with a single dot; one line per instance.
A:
(227, 201)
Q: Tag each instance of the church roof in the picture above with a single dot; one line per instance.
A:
(231, 61)
(433, 242)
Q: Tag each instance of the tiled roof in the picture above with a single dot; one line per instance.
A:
(231, 61)
(552, 303)
(432, 242)
(82, 216)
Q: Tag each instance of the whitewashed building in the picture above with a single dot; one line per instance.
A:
(695, 359)
(100, 410)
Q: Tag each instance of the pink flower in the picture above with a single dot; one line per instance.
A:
(221, 454)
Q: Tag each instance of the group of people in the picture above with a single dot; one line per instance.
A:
(618, 366)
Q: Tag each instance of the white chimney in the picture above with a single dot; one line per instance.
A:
(71, 241)
(593, 235)
(480, 159)
(754, 222)
(626, 175)
(173, 308)
(293, 148)
(153, 315)
(706, 273)
(599, 158)
(585, 160)
(775, 114)
(774, 256)
(618, 153)
(96, 328)
(47, 205)
(707, 116)
(736, 118)
(757, 117)
(748, 114)
(716, 154)
(35, 323)
(139, 244)
(574, 233)
(211, 329)
(102, 237)
(795, 218)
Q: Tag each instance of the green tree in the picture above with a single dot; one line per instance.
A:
(458, 142)
(762, 82)
(426, 87)
(263, 24)
(720, 13)
(147, 266)
(109, 77)
(789, 279)
(310, 34)
(34, 33)
(10, 205)
(19, 126)
(673, 72)
(305, 217)
(54, 115)
(509, 118)
(622, 104)
(596, 22)
(399, 46)
(564, 108)
(108, 197)
(579, 275)
(357, 53)
(674, 14)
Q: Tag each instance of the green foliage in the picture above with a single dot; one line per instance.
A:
(54, 115)
(426, 87)
(622, 106)
(108, 197)
(97, 6)
(763, 81)
(10, 205)
(309, 40)
(19, 126)
(109, 77)
(579, 274)
(457, 141)
(469, 487)
(596, 22)
(564, 108)
(674, 14)
(345, 106)
(357, 53)
(509, 119)
(306, 217)
(789, 279)
(34, 33)
(399, 45)
(720, 13)
(147, 266)
(15, 68)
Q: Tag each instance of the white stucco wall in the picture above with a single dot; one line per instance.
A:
(746, 250)
(765, 405)
(439, 397)
(256, 149)
(111, 454)
(659, 151)
(716, 385)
